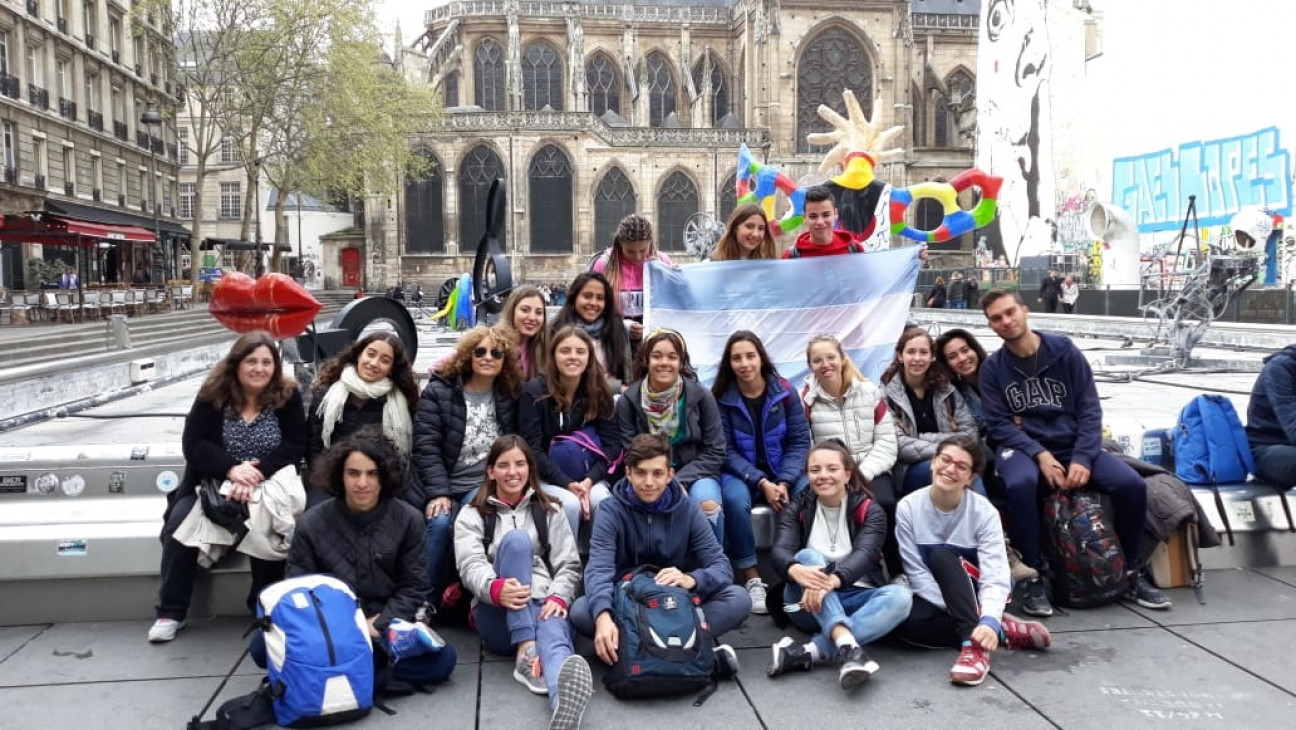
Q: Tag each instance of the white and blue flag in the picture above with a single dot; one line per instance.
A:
(862, 299)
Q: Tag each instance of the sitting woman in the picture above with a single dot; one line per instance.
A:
(767, 437)
(955, 558)
(962, 355)
(747, 236)
(370, 383)
(246, 424)
(570, 405)
(828, 545)
(373, 543)
(470, 400)
(518, 558)
(844, 405)
(926, 408)
(524, 315)
(667, 399)
(591, 306)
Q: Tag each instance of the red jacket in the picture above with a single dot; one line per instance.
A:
(843, 242)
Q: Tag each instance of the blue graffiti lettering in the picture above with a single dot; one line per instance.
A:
(1224, 174)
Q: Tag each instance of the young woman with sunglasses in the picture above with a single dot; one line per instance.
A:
(667, 399)
(952, 544)
(571, 396)
(469, 402)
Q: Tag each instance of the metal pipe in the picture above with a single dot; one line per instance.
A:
(1120, 266)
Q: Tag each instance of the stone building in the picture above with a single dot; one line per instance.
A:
(593, 109)
(80, 165)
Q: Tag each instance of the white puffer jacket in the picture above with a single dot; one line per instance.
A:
(476, 563)
(861, 420)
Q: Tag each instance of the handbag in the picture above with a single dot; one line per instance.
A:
(226, 513)
(577, 452)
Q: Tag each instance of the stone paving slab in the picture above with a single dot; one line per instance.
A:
(1265, 649)
(12, 638)
(152, 705)
(1143, 678)
(912, 690)
(1286, 574)
(104, 652)
(1231, 595)
(1114, 616)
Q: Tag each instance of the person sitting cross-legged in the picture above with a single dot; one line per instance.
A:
(649, 520)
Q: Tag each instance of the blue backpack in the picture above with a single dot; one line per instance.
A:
(665, 642)
(318, 651)
(1211, 448)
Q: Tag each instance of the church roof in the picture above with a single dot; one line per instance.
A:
(946, 7)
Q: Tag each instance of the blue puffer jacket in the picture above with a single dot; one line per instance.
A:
(626, 536)
(785, 431)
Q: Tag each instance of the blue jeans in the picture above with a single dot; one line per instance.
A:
(503, 630)
(958, 304)
(707, 489)
(919, 475)
(869, 613)
(570, 503)
(736, 500)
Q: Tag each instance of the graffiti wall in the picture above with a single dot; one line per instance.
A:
(1225, 175)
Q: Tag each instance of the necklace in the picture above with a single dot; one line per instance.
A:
(829, 525)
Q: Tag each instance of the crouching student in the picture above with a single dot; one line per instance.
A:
(650, 520)
(828, 544)
(953, 549)
(516, 554)
(374, 543)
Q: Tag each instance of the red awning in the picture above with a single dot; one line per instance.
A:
(102, 230)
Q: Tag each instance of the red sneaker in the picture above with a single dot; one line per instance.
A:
(972, 666)
(1025, 634)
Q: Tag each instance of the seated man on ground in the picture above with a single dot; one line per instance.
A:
(1042, 411)
(649, 520)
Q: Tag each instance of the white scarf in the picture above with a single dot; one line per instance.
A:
(396, 416)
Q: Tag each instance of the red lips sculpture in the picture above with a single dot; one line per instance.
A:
(274, 303)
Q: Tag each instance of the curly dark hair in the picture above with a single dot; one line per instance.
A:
(502, 445)
(370, 441)
(614, 339)
(936, 377)
(402, 370)
(593, 383)
(459, 364)
(958, 334)
(729, 250)
(676, 341)
(856, 481)
(222, 388)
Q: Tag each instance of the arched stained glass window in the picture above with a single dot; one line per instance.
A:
(450, 90)
(614, 199)
(719, 87)
(728, 198)
(550, 189)
(479, 168)
(542, 78)
(833, 61)
(676, 201)
(425, 208)
(604, 84)
(662, 90)
(488, 76)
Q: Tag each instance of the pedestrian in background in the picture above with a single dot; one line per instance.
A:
(1070, 293)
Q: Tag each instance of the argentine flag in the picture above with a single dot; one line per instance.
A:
(863, 299)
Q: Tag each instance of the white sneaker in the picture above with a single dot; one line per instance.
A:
(164, 630)
(758, 591)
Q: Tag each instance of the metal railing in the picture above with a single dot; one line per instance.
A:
(11, 175)
(120, 131)
(61, 24)
(33, 8)
(38, 96)
(39, 182)
(67, 109)
(142, 138)
(69, 188)
(95, 120)
(10, 86)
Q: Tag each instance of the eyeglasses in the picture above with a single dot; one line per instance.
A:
(962, 467)
(495, 353)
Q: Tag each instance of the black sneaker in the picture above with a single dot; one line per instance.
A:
(726, 661)
(788, 656)
(856, 666)
(1146, 595)
(1035, 598)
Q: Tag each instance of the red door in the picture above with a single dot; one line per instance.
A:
(351, 268)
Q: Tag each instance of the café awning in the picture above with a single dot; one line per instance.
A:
(63, 231)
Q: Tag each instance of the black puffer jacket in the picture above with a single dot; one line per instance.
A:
(439, 426)
(368, 412)
(380, 554)
(868, 529)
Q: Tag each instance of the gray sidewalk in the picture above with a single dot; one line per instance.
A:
(1224, 664)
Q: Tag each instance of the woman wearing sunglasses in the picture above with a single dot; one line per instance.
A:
(667, 399)
(470, 400)
(954, 555)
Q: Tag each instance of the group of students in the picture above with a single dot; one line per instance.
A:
(533, 435)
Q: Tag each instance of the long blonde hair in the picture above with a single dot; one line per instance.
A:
(850, 372)
(537, 346)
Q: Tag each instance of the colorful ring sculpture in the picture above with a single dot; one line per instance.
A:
(956, 221)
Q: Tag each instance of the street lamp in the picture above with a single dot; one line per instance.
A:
(152, 118)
